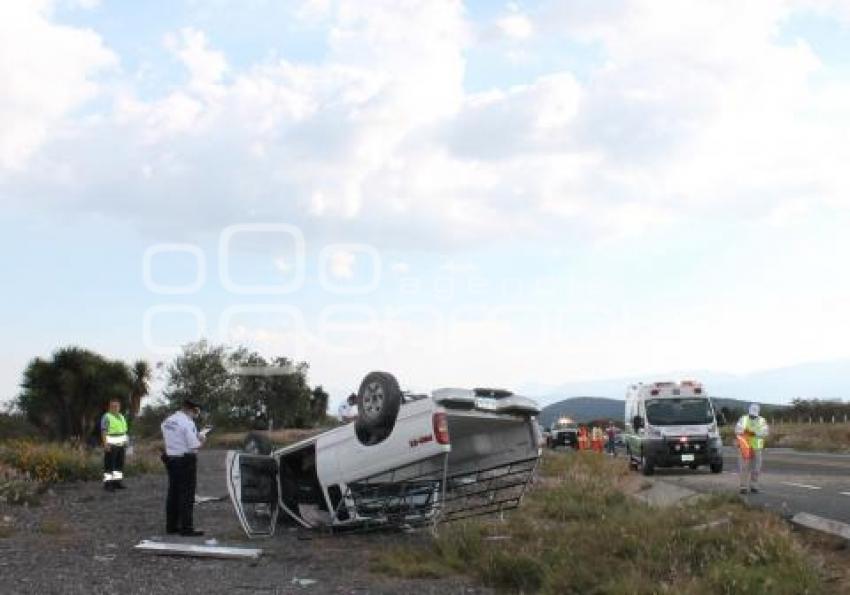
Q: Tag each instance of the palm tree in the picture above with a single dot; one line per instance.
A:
(141, 372)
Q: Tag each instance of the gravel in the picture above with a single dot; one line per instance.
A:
(80, 540)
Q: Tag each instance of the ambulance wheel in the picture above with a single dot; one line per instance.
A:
(716, 467)
(378, 402)
(257, 444)
(647, 465)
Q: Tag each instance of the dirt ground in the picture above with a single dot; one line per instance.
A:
(80, 540)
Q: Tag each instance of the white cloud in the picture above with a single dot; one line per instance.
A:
(46, 72)
(515, 26)
(206, 66)
(694, 108)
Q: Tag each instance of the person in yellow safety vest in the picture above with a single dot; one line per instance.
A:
(113, 433)
(752, 428)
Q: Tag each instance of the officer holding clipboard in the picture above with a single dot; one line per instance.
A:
(182, 441)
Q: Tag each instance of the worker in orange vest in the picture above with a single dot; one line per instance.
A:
(596, 439)
(582, 438)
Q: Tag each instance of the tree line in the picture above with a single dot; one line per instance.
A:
(63, 396)
(815, 410)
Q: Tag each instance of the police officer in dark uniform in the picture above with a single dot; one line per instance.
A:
(182, 440)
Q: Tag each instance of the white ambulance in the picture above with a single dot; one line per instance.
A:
(670, 424)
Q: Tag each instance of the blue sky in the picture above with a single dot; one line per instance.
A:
(461, 193)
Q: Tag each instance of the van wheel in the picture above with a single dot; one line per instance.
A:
(378, 402)
(647, 465)
(257, 443)
(694, 466)
(716, 467)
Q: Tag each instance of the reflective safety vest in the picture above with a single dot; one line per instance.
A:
(757, 427)
(116, 425)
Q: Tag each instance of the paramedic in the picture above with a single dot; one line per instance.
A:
(753, 429)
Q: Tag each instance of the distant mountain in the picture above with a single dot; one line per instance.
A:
(585, 409)
(818, 380)
(582, 409)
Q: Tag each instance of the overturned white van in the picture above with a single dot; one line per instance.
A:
(407, 460)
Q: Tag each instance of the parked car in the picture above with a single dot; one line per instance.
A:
(564, 432)
(619, 438)
(408, 459)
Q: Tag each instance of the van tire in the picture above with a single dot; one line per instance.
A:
(257, 443)
(378, 401)
(647, 466)
(716, 467)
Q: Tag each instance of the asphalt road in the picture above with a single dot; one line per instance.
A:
(791, 482)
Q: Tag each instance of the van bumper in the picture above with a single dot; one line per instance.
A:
(663, 452)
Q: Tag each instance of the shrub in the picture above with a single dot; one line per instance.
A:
(17, 488)
(578, 533)
(53, 462)
(14, 427)
(147, 425)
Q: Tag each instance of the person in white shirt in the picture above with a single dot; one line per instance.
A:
(182, 440)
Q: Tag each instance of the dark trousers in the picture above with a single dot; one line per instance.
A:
(182, 478)
(113, 460)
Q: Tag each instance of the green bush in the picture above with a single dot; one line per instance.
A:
(16, 427)
(54, 462)
(20, 492)
(147, 425)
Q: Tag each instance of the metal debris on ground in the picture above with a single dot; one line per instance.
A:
(198, 551)
(304, 582)
(205, 499)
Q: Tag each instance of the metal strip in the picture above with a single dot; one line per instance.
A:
(200, 551)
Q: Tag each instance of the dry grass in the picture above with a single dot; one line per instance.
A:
(810, 437)
(815, 437)
(7, 529)
(26, 467)
(578, 532)
(54, 526)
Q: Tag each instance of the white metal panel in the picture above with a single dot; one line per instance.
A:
(199, 551)
(233, 474)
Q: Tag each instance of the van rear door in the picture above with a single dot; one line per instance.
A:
(252, 482)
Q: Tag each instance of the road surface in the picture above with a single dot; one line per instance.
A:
(791, 482)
